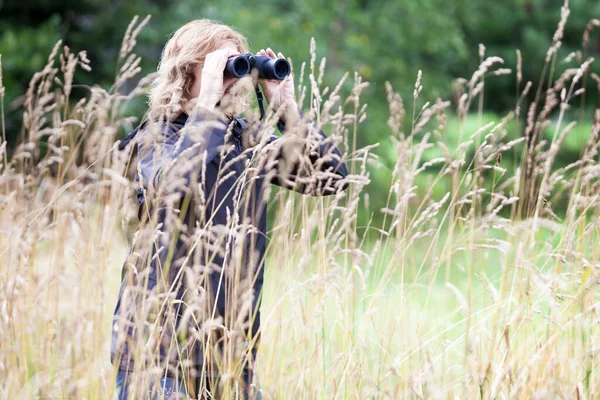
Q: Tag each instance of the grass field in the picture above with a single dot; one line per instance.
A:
(474, 285)
(504, 323)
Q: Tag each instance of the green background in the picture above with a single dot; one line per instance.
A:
(385, 40)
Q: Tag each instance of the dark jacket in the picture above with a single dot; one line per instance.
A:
(205, 187)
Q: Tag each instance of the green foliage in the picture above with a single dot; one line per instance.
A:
(24, 51)
(383, 40)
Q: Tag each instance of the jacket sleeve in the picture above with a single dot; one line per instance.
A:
(311, 164)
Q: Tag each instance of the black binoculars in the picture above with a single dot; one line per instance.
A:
(268, 68)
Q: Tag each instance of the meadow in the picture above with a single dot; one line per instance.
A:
(479, 279)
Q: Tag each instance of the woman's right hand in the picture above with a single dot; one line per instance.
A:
(213, 83)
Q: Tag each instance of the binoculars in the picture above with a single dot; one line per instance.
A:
(268, 68)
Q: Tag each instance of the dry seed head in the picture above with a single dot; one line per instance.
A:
(479, 131)
(396, 108)
(570, 57)
(418, 86)
(594, 23)
(582, 70)
(519, 68)
(131, 34)
(483, 68)
(2, 90)
(427, 114)
(550, 104)
(313, 54)
(321, 71)
(564, 15)
(83, 57)
(53, 53)
(596, 78)
(502, 71)
(526, 90)
(301, 77)
(125, 42)
(564, 78)
(552, 51)
(590, 147)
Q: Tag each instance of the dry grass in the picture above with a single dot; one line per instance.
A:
(482, 292)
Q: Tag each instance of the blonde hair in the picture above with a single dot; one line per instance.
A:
(183, 53)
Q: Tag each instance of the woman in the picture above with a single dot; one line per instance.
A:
(187, 321)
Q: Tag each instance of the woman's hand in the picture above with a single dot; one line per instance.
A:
(278, 92)
(212, 81)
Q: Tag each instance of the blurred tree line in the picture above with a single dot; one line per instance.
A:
(384, 40)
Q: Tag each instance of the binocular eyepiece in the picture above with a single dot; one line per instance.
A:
(268, 68)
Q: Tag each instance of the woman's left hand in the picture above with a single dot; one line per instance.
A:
(278, 92)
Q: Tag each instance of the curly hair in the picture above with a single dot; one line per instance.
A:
(183, 53)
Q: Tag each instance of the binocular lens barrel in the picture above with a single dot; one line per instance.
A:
(268, 68)
(279, 70)
(237, 67)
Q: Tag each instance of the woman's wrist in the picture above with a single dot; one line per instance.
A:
(290, 113)
(206, 102)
